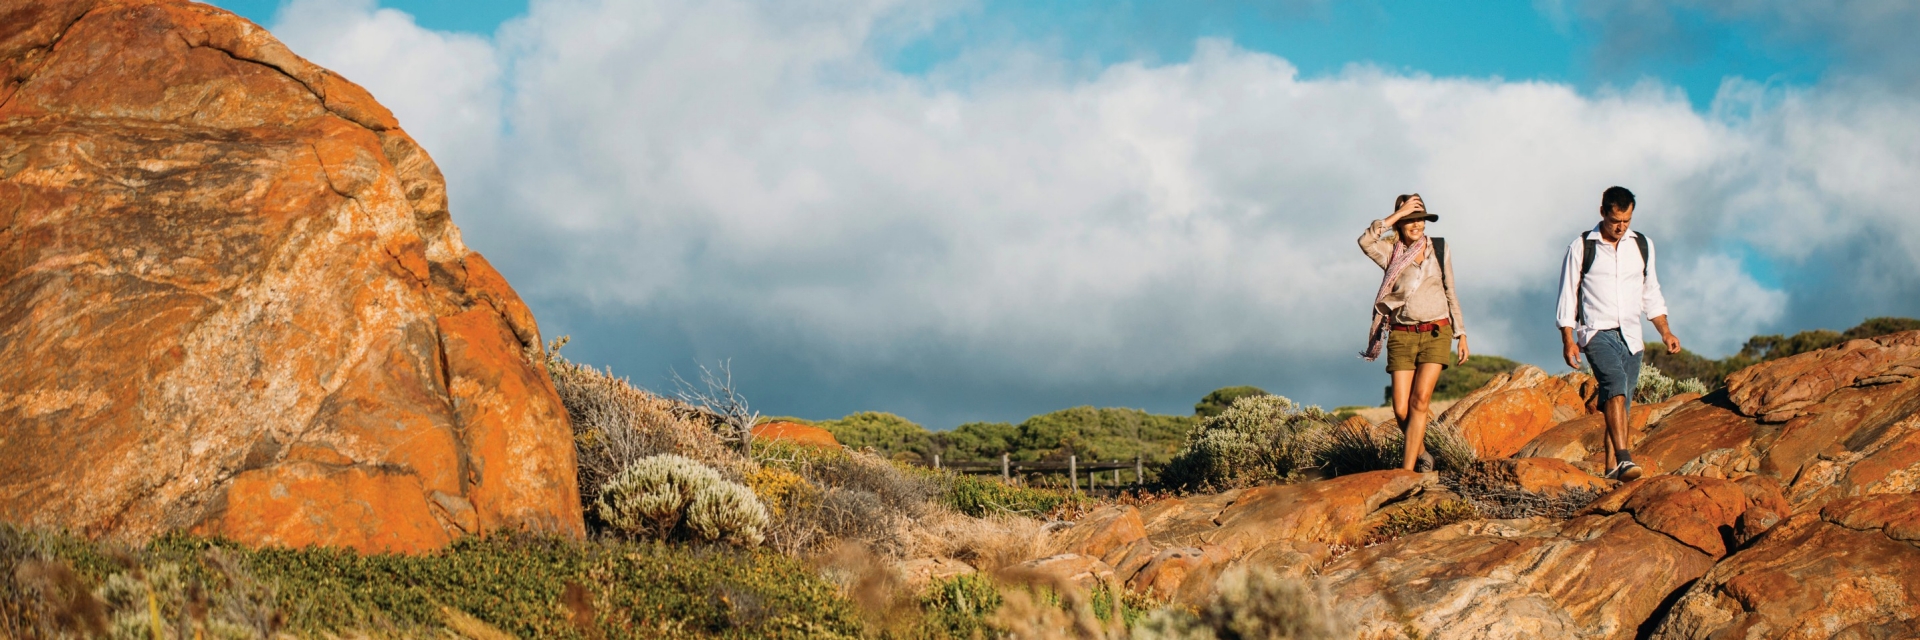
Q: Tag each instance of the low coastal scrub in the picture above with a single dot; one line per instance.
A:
(183, 586)
(981, 497)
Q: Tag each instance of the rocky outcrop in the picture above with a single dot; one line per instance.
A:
(1512, 409)
(1850, 570)
(236, 302)
(1783, 389)
(1581, 441)
(1835, 423)
(1176, 547)
(1600, 575)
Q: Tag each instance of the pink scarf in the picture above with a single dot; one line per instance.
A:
(1402, 256)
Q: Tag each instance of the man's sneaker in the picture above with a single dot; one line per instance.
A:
(1626, 472)
(1424, 463)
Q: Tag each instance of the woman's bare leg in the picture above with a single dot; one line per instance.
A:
(1402, 388)
(1417, 414)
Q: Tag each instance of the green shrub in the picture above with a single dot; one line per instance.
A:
(1217, 401)
(886, 433)
(1258, 439)
(958, 607)
(670, 496)
(1250, 602)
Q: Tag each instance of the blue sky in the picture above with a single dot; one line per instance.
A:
(961, 211)
(1507, 39)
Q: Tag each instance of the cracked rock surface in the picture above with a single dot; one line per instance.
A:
(235, 302)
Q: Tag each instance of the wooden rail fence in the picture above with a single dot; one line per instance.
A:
(1008, 468)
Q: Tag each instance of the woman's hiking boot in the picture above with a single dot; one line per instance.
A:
(1424, 463)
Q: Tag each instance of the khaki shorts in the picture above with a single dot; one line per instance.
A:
(1406, 350)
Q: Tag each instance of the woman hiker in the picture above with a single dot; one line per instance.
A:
(1415, 316)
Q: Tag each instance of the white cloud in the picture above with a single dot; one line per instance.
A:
(752, 171)
(1715, 291)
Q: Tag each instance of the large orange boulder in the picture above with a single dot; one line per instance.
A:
(1850, 570)
(1600, 575)
(1501, 417)
(237, 303)
(795, 433)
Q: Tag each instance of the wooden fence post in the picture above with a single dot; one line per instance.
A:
(1139, 477)
(1004, 474)
(936, 462)
(1073, 472)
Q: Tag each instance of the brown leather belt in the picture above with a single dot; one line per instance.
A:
(1422, 327)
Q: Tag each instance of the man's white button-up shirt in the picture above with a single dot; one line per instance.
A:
(1615, 295)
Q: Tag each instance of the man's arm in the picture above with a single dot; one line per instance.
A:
(1568, 305)
(1570, 349)
(1666, 335)
(1655, 303)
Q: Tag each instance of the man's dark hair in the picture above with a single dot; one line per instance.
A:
(1616, 199)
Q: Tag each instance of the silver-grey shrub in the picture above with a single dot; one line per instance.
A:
(1259, 439)
(671, 496)
(1656, 387)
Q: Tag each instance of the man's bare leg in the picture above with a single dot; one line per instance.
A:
(1418, 411)
(1616, 414)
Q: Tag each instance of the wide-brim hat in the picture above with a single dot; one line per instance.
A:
(1424, 215)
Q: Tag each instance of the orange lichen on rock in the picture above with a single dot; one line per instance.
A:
(249, 310)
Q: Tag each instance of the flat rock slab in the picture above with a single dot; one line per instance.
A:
(1851, 570)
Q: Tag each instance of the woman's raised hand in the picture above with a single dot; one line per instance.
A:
(1411, 206)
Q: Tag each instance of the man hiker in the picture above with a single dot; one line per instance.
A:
(1606, 286)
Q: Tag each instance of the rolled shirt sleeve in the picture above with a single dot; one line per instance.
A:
(1567, 308)
(1375, 245)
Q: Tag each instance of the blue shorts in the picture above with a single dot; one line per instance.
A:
(1615, 367)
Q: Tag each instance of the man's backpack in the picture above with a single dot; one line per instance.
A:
(1586, 264)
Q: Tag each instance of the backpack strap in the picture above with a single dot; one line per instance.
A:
(1646, 263)
(1589, 248)
(1440, 253)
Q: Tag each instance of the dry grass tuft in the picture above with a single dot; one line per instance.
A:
(1498, 499)
(616, 424)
